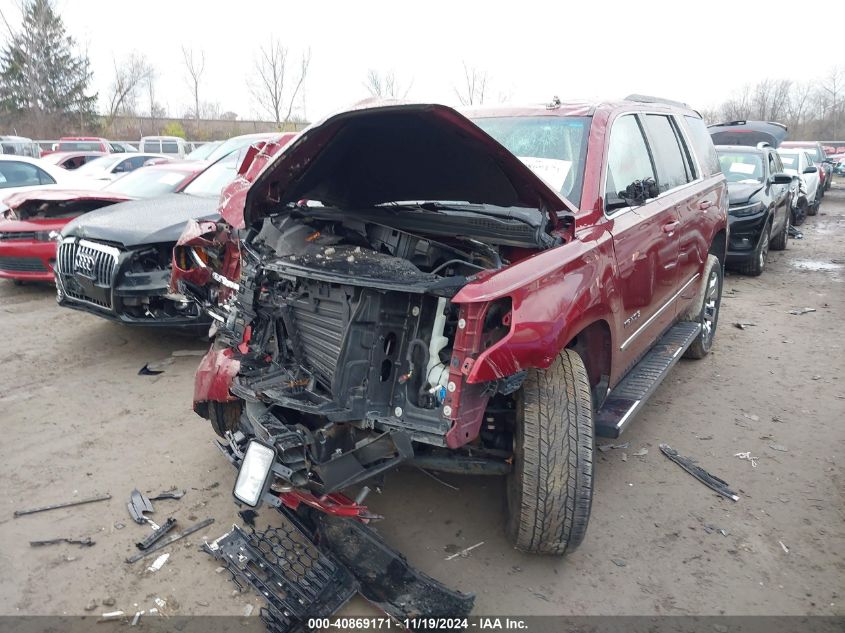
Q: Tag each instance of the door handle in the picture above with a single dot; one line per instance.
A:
(671, 226)
(704, 205)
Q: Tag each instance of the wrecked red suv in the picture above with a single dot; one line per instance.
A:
(476, 293)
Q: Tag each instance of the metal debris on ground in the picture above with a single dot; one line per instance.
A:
(138, 505)
(742, 325)
(248, 609)
(606, 447)
(136, 617)
(618, 562)
(641, 453)
(111, 615)
(711, 481)
(173, 493)
(170, 539)
(801, 311)
(159, 562)
(747, 456)
(783, 547)
(156, 535)
(67, 504)
(146, 371)
(778, 447)
(464, 552)
(85, 542)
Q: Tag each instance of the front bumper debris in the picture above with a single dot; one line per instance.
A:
(297, 580)
(306, 573)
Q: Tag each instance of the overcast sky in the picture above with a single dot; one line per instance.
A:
(699, 53)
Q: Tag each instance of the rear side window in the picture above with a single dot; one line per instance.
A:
(169, 147)
(628, 159)
(15, 174)
(703, 145)
(665, 146)
(151, 146)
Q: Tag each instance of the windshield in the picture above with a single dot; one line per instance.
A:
(791, 162)
(103, 163)
(203, 151)
(227, 147)
(215, 177)
(79, 146)
(148, 183)
(553, 147)
(745, 167)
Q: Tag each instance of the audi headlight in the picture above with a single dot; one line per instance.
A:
(254, 474)
(746, 209)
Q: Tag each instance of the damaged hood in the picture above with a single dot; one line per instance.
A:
(392, 152)
(47, 203)
(741, 193)
(145, 221)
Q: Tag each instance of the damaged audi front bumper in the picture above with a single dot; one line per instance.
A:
(129, 286)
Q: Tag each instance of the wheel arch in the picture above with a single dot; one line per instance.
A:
(594, 344)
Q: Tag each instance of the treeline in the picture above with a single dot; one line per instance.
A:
(812, 110)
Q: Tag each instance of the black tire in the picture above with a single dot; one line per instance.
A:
(224, 416)
(705, 308)
(780, 240)
(813, 209)
(799, 212)
(550, 492)
(756, 264)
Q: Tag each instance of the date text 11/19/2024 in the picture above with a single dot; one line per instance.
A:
(418, 624)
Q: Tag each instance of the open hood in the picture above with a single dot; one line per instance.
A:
(56, 203)
(748, 133)
(391, 152)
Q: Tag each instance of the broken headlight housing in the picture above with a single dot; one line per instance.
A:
(742, 210)
(255, 473)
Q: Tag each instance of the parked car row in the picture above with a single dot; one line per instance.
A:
(773, 185)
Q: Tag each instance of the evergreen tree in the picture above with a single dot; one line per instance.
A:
(40, 73)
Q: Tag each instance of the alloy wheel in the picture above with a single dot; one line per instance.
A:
(710, 311)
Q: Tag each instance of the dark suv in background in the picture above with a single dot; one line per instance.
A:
(760, 195)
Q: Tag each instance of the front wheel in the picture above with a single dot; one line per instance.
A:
(705, 308)
(779, 241)
(550, 492)
(756, 264)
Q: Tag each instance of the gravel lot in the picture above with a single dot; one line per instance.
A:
(77, 420)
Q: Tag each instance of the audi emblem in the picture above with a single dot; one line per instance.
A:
(85, 264)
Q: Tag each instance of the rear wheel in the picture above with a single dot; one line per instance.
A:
(550, 492)
(799, 212)
(705, 308)
(756, 264)
(813, 209)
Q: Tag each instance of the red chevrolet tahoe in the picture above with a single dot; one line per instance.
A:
(479, 292)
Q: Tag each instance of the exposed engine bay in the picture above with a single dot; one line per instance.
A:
(345, 336)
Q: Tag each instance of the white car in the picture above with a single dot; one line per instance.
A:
(798, 163)
(21, 173)
(101, 171)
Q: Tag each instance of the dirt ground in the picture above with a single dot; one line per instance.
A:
(77, 420)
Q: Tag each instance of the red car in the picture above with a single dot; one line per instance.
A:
(80, 144)
(34, 218)
(72, 160)
(481, 293)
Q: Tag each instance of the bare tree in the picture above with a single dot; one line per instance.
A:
(832, 87)
(386, 85)
(129, 75)
(270, 87)
(194, 67)
(476, 85)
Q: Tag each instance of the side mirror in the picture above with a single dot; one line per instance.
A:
(781, 179)
(810, 170)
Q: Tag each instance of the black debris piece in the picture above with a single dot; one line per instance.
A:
(156, 535)
(297, 580)
(196, 527)
(248, 516)
(168, 494)
(386, 579)
(67, 504)
(146, 371)
(84, 542)
(138, 505)
(711, 481)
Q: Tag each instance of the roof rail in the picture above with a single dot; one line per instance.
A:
(649, 99)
